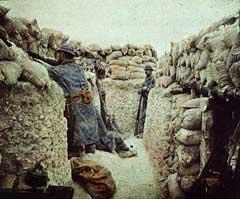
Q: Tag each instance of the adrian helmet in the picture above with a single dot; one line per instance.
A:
(148, 67)
(67, 48)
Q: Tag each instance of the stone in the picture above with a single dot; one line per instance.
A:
(188, 137)
(192, 119)
(175, 192)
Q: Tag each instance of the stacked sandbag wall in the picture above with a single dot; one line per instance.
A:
(202, 58)
(32, 124)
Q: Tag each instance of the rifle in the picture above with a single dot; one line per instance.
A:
(138, 114)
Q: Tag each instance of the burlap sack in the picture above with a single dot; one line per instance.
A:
(192, 119)
(36, 73)
(114, 55)
(148, 52)
(203, 60)
(145, 58)
(154, 60)
(230, 36)
(137, 75)
(139, 53)
(108, 51)
(3, 11)
(120, 75)
(131, 52)
(188, 137)
(124, 49)
(11, 72)
(117, 67)
(133, 69)
(132, 63)
(187, 182)
(53, 38)
(234, 73)
(96, 179)
(6, 53)
(119, 62)
(116, 47)
(188, 155)
(137, 59)
(94, 47)
(188, 171)
(174, 189)
(164, 81)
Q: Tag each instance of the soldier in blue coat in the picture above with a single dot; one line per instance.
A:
(148, 84)
(80, 112)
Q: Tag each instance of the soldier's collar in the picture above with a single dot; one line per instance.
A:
(67, 61)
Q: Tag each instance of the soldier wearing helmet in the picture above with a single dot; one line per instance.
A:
(80, 112)
(148, 84)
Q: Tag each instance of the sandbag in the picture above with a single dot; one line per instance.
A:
(132, 63)
(234, 73)
(195, 103)
(137, 59)
(117, 67)
(203, 60)
(139, 53)
(131, 52)
(3, 11)
(164, 81)
(230, 36)
(11, 72)
(174, 189)
(6, 53)
(54, 38)
(124, 49)
(133, 69)
(188, 155)
(116, 47)
(148, 52)
(153, 59)
(96, 179)
(145, 58)
(94, 47)
(188, 137)
(187, 182)
(108, 51)
(192, 119)
(190, 170)
(137, 75)
(120, 75)
(36, 73)
(114, 55)
(119, 62)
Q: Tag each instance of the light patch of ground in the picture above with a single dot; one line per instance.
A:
(134, 176)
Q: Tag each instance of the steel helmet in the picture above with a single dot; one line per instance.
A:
(67, 48)
(148, 67)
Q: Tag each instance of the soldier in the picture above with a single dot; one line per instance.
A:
(80, 112)
(148, 84)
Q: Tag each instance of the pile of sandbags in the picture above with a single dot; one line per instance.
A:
(197, 57)
(128, 62)
(190, 157)
(27, 35)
